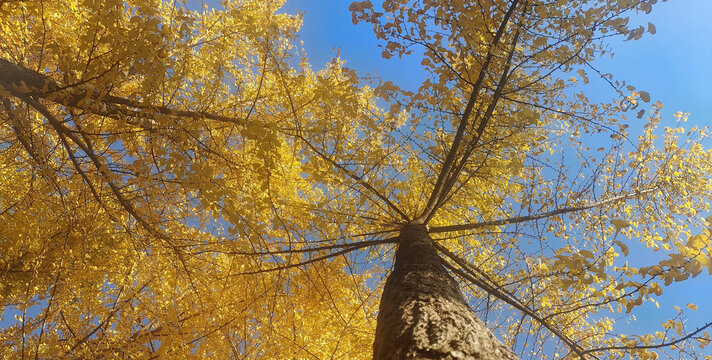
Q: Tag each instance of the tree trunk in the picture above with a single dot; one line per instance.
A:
(423, 314)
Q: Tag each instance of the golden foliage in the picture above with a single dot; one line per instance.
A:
(178, 182)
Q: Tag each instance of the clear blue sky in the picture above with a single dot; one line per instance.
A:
(674, 66)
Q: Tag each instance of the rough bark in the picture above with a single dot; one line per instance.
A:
(423, 314)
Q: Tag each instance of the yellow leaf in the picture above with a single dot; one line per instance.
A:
(644, 95)
(651, 28)
(620, 224)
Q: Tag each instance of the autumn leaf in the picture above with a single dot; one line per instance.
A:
(620, 224)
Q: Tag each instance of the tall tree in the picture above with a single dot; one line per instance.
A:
(178, 182)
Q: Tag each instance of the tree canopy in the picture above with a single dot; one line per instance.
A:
(178, 181)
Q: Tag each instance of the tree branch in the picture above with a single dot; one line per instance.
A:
(488, 285)
(519, 219)
(22, 82)
(480, 130)
(656, 346)
(459, 135)
(347, 250)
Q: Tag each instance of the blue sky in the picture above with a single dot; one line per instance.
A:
(674, 66)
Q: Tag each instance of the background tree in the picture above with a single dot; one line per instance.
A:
(178, 181)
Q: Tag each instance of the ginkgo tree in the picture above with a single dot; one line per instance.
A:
(179, 182)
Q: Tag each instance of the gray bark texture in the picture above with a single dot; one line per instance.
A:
(423, 314)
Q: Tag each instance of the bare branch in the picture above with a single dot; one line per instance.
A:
(520, 219)
(347, 250)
